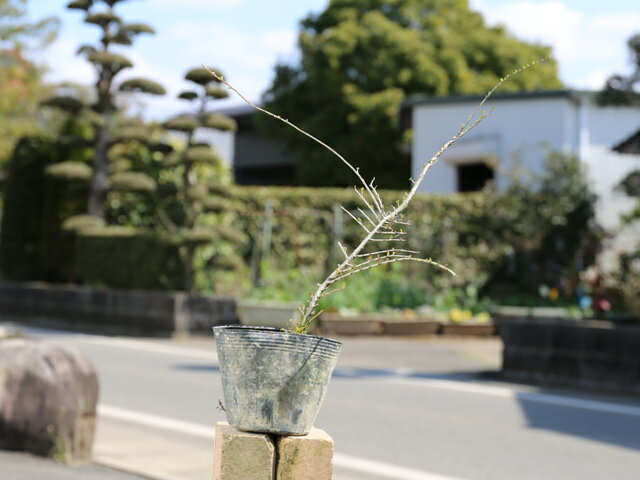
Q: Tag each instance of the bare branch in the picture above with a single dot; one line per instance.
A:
(329, 292)
(356, 219)
(366, 216)
(376, 197)
(344, 250)
(375, 214)
(392, 250)
(410, 259)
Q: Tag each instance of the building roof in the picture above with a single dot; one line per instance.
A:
(629, 145)
(430, 100)
(238, 110)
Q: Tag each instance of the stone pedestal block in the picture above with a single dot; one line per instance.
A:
(309, 456)
(257, 456)
(48, 397)
(242, 456)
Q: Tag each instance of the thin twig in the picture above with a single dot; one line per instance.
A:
(329, 292)
(375, 214)
(344, 250)
(356, 219)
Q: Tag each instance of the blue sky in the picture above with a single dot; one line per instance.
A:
(245, 38)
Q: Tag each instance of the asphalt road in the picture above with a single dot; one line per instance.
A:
(397, 409)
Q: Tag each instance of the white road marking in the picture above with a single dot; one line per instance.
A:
(150, 347)
(348, 462)
(505, 392)
(156, 421)
(382, 469)
(120, 342)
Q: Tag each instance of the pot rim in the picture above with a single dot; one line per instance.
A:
(275, 330)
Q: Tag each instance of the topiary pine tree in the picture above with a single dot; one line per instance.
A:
(108, 65)
(195, 161)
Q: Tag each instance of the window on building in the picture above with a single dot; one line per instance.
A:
(474, 176)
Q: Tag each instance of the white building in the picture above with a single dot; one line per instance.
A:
(521, 128)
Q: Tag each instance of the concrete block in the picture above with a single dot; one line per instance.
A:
(308, 457)
(242, 456)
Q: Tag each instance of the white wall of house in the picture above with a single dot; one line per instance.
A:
(520, 131)
(517, 130)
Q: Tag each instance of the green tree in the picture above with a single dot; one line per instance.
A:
(108, 65)
(623, 89)
(361, 58)
(21, 85)
(16, 30)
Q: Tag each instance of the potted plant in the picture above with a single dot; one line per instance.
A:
(275, 380)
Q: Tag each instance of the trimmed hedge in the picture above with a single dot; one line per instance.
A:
(527, 238)
(452, 229)
(24, 195)
(478, 234)
(121, 257)
(35, 204)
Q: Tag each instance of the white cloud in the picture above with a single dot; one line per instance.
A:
(209, 4)
(596, 79)
(220, 44)
(550, 22)
(588, 48)
(64, 65)
(246, 58)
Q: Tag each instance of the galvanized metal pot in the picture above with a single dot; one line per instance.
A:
(273, 380)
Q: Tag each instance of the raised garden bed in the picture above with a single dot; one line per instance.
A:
(411, 327)
(592, 354)
(380, 323)
(363, 324)
(469, 329)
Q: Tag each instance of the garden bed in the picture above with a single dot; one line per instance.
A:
(593, 354)
(393, 324)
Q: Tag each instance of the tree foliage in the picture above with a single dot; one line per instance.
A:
(16, 30)
(361, 58)
(624, 89)
(21, 85)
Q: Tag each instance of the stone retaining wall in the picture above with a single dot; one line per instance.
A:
(116, 310)
(589, 354)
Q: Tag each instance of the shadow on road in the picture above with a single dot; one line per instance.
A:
(611, 427)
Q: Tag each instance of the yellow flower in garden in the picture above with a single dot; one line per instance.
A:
(482, 317)
(554, 294)
(455, 315)
(459, 316)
